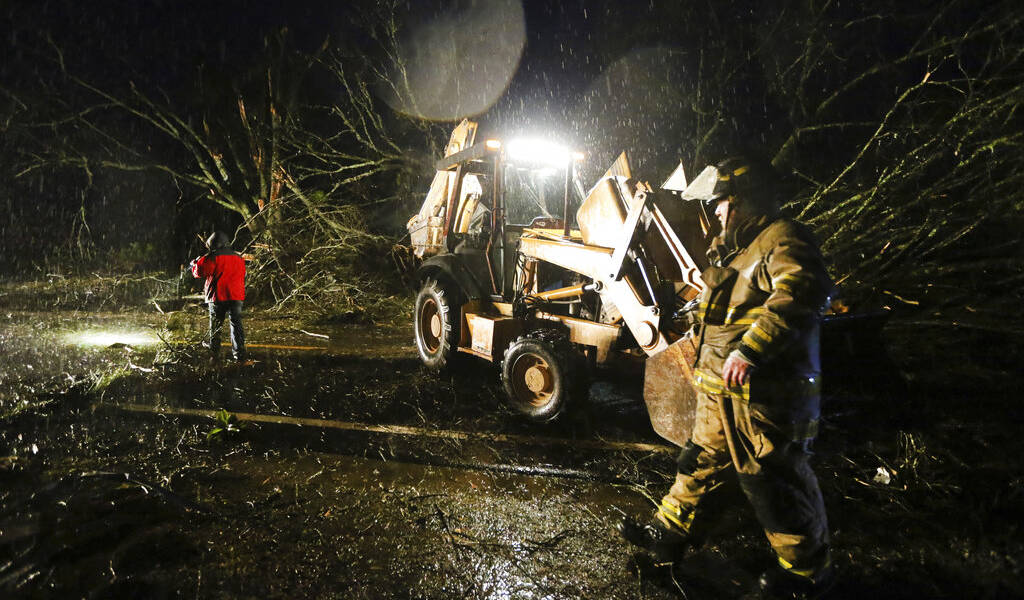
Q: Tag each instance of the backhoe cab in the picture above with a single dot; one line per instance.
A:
(525, 268)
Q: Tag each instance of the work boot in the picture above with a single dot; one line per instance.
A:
(654, 537)
(778, 583)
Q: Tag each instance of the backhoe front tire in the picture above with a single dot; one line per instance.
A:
(436, 323)
(539, 376)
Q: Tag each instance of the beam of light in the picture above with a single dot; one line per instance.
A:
(105, 338)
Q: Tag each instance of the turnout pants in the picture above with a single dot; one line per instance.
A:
(773, 472)
(233, 310)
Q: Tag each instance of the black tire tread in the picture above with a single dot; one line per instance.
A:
(446, 294)
(562, 352)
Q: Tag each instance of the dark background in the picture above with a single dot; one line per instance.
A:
(893, 127)
(600, 76)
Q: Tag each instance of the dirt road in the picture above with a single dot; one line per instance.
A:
(431, 489)
(339, 468)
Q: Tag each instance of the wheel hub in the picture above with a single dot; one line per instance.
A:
(430, 326)
(533, 380)
(537, 378)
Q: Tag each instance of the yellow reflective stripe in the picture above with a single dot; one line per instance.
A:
(754, 344)
(786, 282)
(808, 573)
(805, 573)
(747, 317)
(757, 331)
(727, 176)
(751, 339)
(673, 514)
(713, 385)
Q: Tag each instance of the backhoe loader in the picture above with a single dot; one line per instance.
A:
(525, 268)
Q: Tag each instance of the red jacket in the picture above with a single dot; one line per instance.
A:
(224, 271)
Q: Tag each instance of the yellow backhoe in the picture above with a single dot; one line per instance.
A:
(524, 267)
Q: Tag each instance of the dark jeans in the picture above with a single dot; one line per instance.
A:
(233, 309)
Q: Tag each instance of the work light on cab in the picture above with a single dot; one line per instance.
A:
(539, 152)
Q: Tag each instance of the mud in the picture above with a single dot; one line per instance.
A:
(100, 501)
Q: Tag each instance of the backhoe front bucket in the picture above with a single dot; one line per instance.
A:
(668, 391)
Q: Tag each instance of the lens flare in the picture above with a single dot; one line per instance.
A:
(455, 62)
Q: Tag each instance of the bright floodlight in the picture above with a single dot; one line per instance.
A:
(538, 152)
(109, 338)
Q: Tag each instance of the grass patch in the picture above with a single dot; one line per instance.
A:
(101, 380)
(93, 291)
(21, 408)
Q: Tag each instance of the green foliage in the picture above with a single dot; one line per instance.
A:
(227, 425)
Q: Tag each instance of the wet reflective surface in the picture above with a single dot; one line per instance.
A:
(112, 502)
(105, 493)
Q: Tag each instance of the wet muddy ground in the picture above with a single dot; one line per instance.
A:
(118, 479)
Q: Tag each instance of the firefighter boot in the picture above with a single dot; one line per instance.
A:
(784, 584)
(653, 536)
(665, 536)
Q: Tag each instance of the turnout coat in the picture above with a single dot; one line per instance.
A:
(766, 291)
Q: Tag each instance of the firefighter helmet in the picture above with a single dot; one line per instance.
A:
(737, 178)
(734, 177)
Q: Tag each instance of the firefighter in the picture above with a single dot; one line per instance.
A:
(757, 379)
(224, 272)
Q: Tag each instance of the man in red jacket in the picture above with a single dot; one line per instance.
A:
(224, 272)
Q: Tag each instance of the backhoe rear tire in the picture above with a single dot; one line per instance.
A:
(436, 323)
(539, 376)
